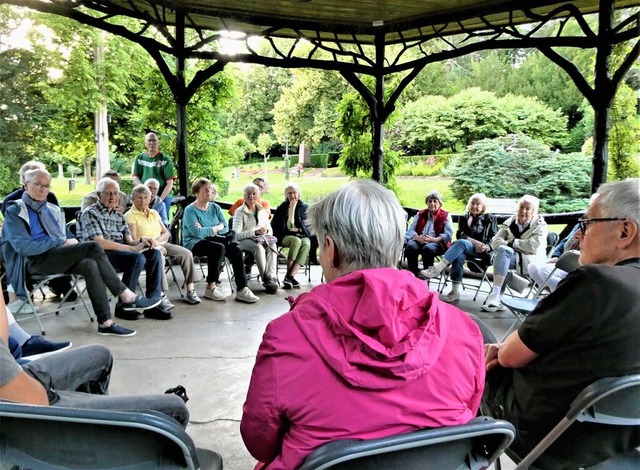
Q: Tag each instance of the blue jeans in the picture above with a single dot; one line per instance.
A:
(504, 259)
(80, 377)
(167, 205)
(131, 263)
(456, 256)
(427, 250)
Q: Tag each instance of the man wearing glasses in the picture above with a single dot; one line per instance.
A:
(587, 329)
(155, 164)
(34, 241)
(103, 224)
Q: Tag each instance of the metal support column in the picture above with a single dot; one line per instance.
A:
(181, 97)
(378, 113)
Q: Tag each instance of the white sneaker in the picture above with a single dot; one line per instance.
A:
(215, 294)
(493, 303)
(451, 297)
(15, 307)
(192, 298)
(165, 304)
(430, 272)
(245, 295)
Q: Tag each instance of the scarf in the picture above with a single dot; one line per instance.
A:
(47, 219)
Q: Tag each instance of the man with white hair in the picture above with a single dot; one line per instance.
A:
(103, 224)
(585, 330)
(34, 241)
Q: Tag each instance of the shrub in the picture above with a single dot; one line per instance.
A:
(319, 160)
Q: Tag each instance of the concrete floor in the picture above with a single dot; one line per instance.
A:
(207, 348)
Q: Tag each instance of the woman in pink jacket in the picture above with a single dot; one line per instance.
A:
(369, 354)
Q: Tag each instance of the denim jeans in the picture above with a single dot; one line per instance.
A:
(504, 259)
(456, 256)
(427, 250)
(80, 377)
(131, 263)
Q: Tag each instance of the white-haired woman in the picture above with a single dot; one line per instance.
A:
(254, 234)
(145, 222)
(156, 203)
(522, 238)
(290, 228)
(476, 229)
(367, 343)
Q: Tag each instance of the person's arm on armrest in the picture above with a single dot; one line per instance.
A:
(514, 353)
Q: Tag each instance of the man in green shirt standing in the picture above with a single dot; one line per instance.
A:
(155, 164)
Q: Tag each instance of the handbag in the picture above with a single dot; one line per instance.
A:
(265, 239)
(516, 282)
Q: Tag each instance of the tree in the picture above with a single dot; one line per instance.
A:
(264, 144)
(513, 165)
(477, 114)
(624, 134)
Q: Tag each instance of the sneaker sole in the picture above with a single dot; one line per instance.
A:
(131, 308)
(486, 308)
(247, 301)
(216, 300)
(192, 302)
(45, 354)
(449, 301)
(103, 333)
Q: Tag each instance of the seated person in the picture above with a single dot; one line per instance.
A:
(202, 228)
(429, 234)
(540, 270)
(76, 378)
(290, 227)
(585, 330)
(33, 346)
(92, 197)
(369, 354)
(476, 229)
(105, 225)
(262, 185)
(251, 224)
(60, 286)
(34, 241)
(156, 203)
(522, 239)
(145, 223)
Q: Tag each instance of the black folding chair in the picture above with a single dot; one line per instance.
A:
(475, 445)
(608, 401)
(39, 437)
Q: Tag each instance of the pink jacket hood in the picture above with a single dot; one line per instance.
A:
(373, 339)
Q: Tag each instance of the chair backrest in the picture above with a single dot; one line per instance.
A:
(608, 401)
(552, 240)
(567, 261)
(475, 445)
(55, 438)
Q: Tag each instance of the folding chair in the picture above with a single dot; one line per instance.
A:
(70, 438)
(522, 307)
(475, 445)
(38, 281)
(282, 262)
(476, 268)
(608, 401)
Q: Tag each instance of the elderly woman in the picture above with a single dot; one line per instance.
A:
(429, 234)
(203, 230)
(476, 229)
(146, 224)
(354, 359)
(290, 227)
(156, 203)
(254, 234)
(522, 239)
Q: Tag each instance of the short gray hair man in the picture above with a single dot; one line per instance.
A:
(104, 182)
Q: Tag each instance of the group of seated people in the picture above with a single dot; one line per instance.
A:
(372, 352)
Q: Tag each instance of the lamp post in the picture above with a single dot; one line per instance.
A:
(286, 157)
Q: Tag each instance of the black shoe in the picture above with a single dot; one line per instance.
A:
(37, 346)
(127, 314)
(158, 314)
(72, 297)
(287, 284)
(294, 283)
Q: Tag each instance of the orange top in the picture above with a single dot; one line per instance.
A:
(263, 202)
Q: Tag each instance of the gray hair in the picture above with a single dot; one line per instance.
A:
(104, 182)
(534, 201)
(620, 199)
(251, 187)
(292, 186)
(483, 200)
(30, 165)
(30, 175)
(152, 181)
(366, 223)
(434, 195)
(141, 188)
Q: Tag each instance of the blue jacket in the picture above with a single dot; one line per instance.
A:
(17, 243)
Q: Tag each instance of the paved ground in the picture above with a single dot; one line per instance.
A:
(209, 349)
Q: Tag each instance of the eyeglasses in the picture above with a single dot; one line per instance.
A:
(583, 222)
(108, 194)
(40, 185)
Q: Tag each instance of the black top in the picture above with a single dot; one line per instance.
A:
(279, 221)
